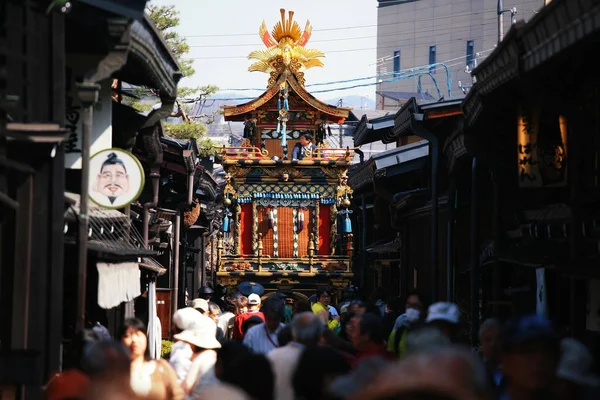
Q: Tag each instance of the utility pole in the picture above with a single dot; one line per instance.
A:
(501, 11)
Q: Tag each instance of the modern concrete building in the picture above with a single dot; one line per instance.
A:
(412, 34)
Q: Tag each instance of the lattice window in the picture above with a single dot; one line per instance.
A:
(267, 232)
(284, 239)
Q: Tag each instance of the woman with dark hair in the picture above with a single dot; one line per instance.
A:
(150, 379)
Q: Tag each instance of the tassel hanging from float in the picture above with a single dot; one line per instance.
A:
(347, 224)
(271, 219)
(300, 220)
(226, 223)
(286, 105)
(283, 134)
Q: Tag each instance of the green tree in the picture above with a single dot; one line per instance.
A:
(166, 19)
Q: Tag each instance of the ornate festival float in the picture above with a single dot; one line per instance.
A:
(286, 222)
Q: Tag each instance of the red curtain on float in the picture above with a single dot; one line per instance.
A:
(246, 229)
(324, 229)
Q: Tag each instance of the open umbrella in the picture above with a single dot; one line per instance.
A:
(248, 288)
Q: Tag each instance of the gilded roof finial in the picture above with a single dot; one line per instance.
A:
(285, 47)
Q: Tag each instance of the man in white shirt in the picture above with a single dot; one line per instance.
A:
(262, 338)
(307, 329)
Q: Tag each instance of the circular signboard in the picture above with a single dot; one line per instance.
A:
(116, 178)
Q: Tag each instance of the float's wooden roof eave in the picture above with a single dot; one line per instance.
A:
(338, 114)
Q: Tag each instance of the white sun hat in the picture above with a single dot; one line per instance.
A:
(203, 334)
(185, 318)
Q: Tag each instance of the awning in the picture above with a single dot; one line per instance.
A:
(385, 246)
(372, 130)
(117, 283)
(151, 264)
(402, 154)
(150, 61)
(111, 233)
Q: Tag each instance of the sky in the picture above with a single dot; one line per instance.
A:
(222, 33)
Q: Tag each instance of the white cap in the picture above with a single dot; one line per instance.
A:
(200, 304)
(576, 363)
(185, 318)
(443, 311)
(254, 299)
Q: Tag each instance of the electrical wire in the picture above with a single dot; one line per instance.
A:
(352, 27)
(401, 72)
(401, 78)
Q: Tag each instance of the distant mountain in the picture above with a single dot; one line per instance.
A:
(214, 104)
(353, 101)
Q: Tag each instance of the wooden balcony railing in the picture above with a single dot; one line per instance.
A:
(254, 153)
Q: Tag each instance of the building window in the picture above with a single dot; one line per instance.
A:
(470, 54)
(431, 59)
(397, 63)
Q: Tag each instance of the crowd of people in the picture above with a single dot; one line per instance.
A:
(275, 348)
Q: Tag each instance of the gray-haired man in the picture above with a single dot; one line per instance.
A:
(307, 330)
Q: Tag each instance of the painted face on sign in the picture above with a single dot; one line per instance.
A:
(113, 181)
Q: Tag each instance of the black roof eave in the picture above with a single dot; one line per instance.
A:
(126, 8)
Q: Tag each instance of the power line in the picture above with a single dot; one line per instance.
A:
(439, 29)
(401, 72)
(435, 30)
(395, 46)
(347, 27)
(411, 73)
(343, 88)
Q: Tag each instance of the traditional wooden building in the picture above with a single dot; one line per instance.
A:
(532, 118)
(287, 222)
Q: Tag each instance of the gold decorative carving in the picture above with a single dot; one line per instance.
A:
(292, 173)
(334, 266)
(340, 282)
(284, 281)
(239, 267)
(285, 48)
(246, 143)
(228, 191)
(229, 280)
(333, 173)
(235, 171)
(344, 192)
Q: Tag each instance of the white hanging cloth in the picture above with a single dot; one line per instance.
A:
(154, 325)
(117, 283)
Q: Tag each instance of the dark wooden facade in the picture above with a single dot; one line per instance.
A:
(533, 117)
(32, 111)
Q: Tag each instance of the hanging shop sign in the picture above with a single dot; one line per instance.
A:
(541, 148)
(116, 178)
